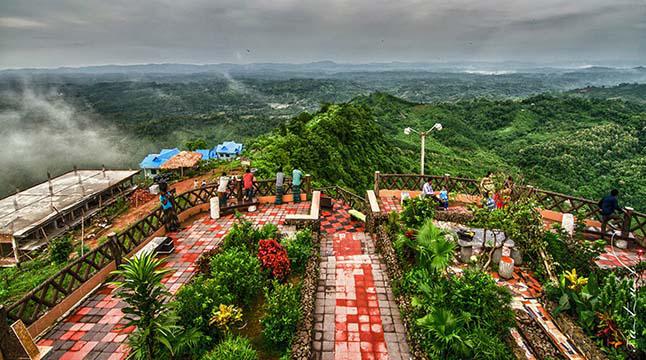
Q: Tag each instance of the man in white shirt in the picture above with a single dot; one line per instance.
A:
(223, 194)
(427, 189)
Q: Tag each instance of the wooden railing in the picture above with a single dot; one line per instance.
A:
(415, 182)
(633, 222)
(52, 291)
(349, 198)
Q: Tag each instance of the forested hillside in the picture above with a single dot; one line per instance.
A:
(567, 144)
(583, 142)
(630, 92)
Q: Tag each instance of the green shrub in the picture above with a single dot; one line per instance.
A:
(299, 249)
(479, 311)
(267, 231)
(195, 302)
(282, 312)
(233, 348)
(417, 210)
(60, 249)
(242, 235)
(238, 272)
(573, 252)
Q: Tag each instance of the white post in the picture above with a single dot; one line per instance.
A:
(215, 208)
(423, 135)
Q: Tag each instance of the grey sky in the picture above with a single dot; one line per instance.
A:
(48, 33)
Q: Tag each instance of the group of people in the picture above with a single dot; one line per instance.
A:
(248, 181)
(442, 198)
(496, 198)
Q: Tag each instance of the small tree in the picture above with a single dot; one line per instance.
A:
(60, 249)
(194, 144)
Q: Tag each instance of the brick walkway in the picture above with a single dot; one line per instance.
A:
(95, 329)
(356, 316)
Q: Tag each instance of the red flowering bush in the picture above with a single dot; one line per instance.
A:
(273, 257)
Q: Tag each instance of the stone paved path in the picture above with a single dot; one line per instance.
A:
(356, 316)
(96, 329)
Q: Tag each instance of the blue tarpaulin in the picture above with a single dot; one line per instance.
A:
(154, 161)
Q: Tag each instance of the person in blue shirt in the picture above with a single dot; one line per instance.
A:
(489, 203)
(170, 220)
(444, 198)
(608, 206)
(297, 176)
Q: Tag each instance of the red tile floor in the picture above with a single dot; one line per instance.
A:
(96, 329)
(356, 316)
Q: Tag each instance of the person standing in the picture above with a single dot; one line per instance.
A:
(444, 198)
(427, 188)
(247, 184)
(488, 202)
(170, 220)
(280, 179)
(608, 207)
(487, 185)
(297, 176)
(223, 193)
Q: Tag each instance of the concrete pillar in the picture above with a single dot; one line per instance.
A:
(568, 223)
(215, 208)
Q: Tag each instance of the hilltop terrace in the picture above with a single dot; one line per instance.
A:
(348, 307)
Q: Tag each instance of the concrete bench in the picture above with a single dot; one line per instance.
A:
(374, 203)
(160, 245)
(314, 210)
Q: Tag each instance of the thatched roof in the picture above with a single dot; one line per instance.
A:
(184, 159)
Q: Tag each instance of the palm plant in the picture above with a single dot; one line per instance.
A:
(435, 250)
(447, 332)
(157, 334)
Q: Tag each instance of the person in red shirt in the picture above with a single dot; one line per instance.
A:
(247, 184)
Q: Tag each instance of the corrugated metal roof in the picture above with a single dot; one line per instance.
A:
(154, 161)
(229, 147)
(35, 205)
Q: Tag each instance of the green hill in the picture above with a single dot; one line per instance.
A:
(628, 92)
(568, 144)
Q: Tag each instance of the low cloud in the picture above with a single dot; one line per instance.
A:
(20, 23)
(42, 132)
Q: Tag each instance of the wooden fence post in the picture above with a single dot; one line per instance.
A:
(625, 228)
(115, 249)
(308, 185)
(240, 191)
(10, 346)
(376, 186)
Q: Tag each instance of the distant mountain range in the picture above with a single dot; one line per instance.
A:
(324, 66)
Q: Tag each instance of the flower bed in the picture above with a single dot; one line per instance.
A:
(251, 299)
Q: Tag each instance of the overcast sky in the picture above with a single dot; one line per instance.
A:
(48, 33)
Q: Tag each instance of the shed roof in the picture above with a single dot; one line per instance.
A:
(229, 147)
(154, 161)
(21, 212)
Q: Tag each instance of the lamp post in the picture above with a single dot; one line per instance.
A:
(422, 135)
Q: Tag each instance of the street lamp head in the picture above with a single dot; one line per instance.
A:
(437, 126)
(408, 130)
